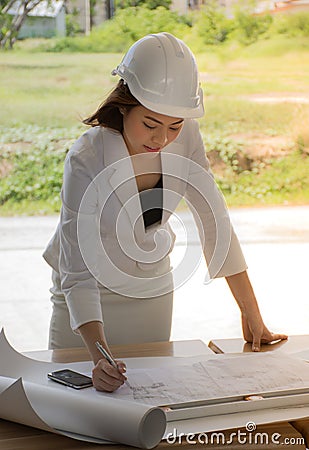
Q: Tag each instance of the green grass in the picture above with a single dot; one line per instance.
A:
(227, 115)
(285, 181)
(45, 95)
(54, 90)
(29, 208)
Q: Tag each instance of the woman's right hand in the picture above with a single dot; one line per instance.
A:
(107, 378)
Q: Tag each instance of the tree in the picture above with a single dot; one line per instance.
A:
(11, 24)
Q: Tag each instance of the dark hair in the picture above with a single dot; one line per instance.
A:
(109, 112)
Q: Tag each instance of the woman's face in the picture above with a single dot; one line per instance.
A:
(145, 131)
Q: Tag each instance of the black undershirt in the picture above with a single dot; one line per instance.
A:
(152, 204)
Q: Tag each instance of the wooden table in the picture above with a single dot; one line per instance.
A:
(293, 344)
(18, 437)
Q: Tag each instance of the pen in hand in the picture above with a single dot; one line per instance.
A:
(108, 358)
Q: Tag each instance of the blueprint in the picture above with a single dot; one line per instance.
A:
(217, 377)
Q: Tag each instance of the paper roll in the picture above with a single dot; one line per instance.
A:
(67, 412)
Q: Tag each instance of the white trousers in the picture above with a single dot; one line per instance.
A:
(126, 320)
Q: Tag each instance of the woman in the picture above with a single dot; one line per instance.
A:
(122, 180)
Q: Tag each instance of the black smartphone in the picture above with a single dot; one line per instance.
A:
(70, 378)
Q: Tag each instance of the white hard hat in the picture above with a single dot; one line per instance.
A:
(161, 73)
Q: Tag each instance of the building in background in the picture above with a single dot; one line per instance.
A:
(282, 6)
(85, 20)
(104, 9)
(47, 19)
(181, 6)
(261, 6)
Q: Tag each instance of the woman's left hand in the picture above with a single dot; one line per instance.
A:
(255, 332)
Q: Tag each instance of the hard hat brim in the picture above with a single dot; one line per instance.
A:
(174, 111)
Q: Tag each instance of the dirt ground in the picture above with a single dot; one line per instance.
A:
(258, 147)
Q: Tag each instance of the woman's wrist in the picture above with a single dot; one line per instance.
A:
(250, 310)
(91, 333)
(243, 293)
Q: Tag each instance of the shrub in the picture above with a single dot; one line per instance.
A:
(34, 167)
(212, 25)
(249, 28)
(36, 175)
(291, 24)
(151, 4)
(128, 25)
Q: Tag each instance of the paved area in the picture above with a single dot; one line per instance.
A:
(275, 243)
